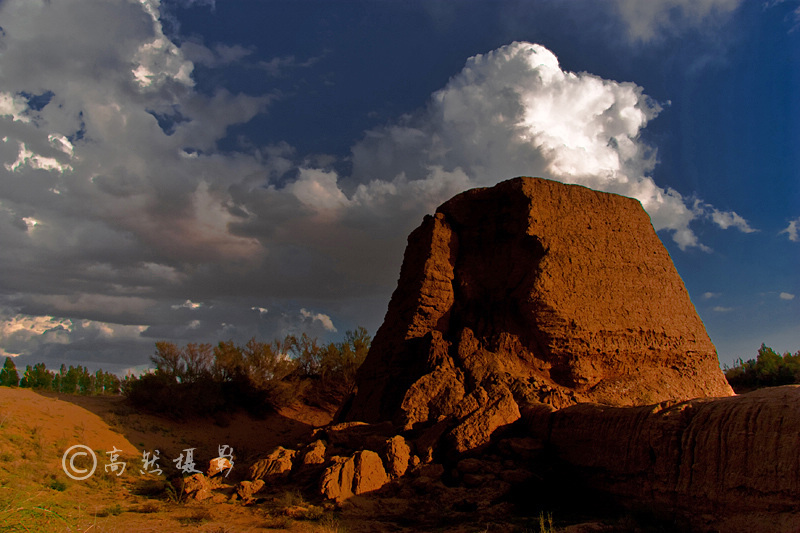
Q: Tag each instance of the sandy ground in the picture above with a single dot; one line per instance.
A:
(36, 429)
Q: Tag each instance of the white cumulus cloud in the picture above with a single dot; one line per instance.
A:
(786, 296)
(791, 230)
(514, 111)
(323, 319)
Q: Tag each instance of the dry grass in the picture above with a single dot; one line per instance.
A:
(37, 496)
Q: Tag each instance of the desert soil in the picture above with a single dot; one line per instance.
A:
(36, 429)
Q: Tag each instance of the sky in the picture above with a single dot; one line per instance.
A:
(206, 170)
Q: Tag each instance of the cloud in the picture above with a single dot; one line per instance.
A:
(651, 19)
(710, 295)
(113, 194)
(122, 204)
(25, 333)
(217, 56)
(791, 230)
(795, 13)
(317, 189)
(514, 111)
(730, 219)
(14, 106)
(188, 304)
(786, 296)
(323, 319)
(27, 158)
(720, 309)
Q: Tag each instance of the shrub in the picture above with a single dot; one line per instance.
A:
(769, 369)
(58, 485)
(259, 377)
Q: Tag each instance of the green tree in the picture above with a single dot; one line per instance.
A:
(69, 379)
(768, 369)
(9, 377)
(768, 365)
(37, 377)
(106, 383)
(86, 382)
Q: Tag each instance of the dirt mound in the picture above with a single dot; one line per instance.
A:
(37, 430)
(532, 291)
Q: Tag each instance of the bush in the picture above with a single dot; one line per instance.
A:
(769, 369)
(160, 393)
(259, 377)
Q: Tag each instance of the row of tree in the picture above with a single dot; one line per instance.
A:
(200, 379)
(72, 379)
(768, 369)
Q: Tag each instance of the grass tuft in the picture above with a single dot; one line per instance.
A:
(197, 517)
(546, 522)
(58, 485)
(113, 510)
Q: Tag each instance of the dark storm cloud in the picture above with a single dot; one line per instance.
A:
(122, 221)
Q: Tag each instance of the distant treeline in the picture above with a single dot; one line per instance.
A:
(201, 379)
(198, 379)
(72, 380)
(768, 369)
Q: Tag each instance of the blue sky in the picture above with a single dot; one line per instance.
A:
(199, 170)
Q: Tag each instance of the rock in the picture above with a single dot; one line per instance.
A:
(314, 453)
(534, 291)
(427, 444)
(369, 472)
(475, 429)
(522, 449)
(276, 464)
(427, 479)
(197, 487)
(337, 480)
(476, 480)
(304, 512)
(356, 435)
(729, 464)
(219, 465)
(516, 476)
(432, 471)
(348, 476)
(246, 489)
(397, 456)
(473, 465)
